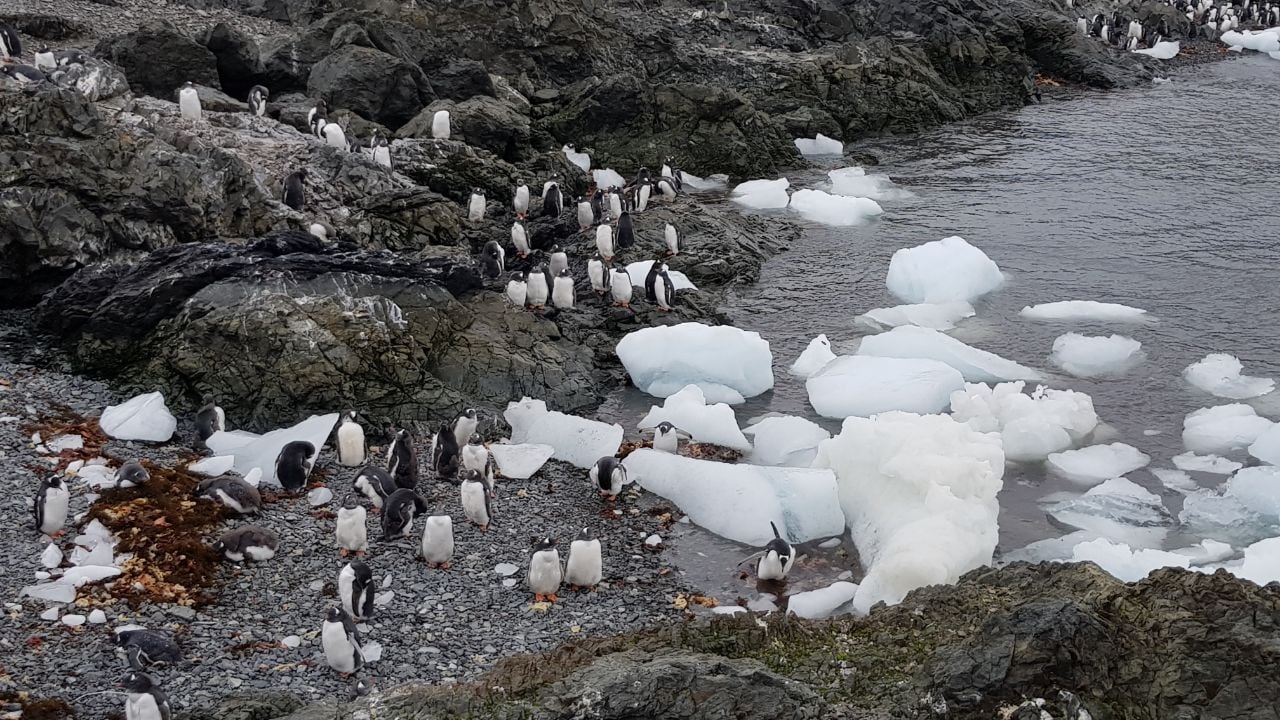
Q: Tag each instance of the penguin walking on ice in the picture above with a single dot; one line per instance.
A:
(775, 560)
(437, 542)
(667, 437)
(209, 420)
(673, 239)
(382, 153)
(476, 499)
(317, 116)
(50, 510)
(608, 475)
(562, 289)
(375, 484)
(133, 473)
(232, 492)
(585, 565)
(145, 648)
(294, 196)
(586, 218)
(620, 287)
(520, 200)
(350, 531)
(189, 102)
(604, 242)
(10, 43)
(144, 700)
(539, 287)
(247, 542)
(493, 261)
(552, 200)
(626, 231)
(445, 453)
(351, 447)
(596, 270)
(545, 573)
(355, 590)
(520, 239)
(402, 461)
(517, 290)
(45, 60)
(440, 125)
(398, 512)
(558, 261)
(258, 97)
(341, 642)
(475, 456)
(475, 207)
(293, 464)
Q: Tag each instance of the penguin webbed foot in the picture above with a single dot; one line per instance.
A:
(342, 552)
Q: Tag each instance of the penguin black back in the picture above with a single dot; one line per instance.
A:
(293, 464)
(402, 461)
(444, 452)
(551, 203)
(294, 196)
(626, 236)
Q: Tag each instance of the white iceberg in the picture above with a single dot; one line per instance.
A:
(711, 182)
(819, 145)
(834, 210)
(576, 440)
(975, 365)
(260, 451)
(1162, 50)
(213, 466)
(1031, 426)
(607, 178)
(1096, 463)
(935, 316)
(1118, 508)
(1176, 480)
(1096, 356)
(1267, 447)
(1219, 374)
(814, 357)
(947, 270)
(1222, 428)
(919, 493)
(1261, 560)
(861, 385)
(1245, 509)
(762, 194)
(738, 501)
(1267, 41)
(1218, 465)
(785, 441)
(822, 603)
(1084, 310)
(581, 159)
(639, 270)
(728, 364)
(520, 462)
(855, 182)
(1125, 563)
(688, 410)
(144, 417)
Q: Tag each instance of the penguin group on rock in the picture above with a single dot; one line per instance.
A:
(1208, 19)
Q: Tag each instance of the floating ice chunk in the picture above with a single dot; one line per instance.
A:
(213, 466)
(260, 451)
(662, 360)
(1257, 489)
(688, 410)
(1261, 562)
(739, 501)
(946, 270)
(919, 493)
(1032, 426)
(712, 182)
(1215, 464)
(1096, 356)
(1207, 551)
(144, 417)
(1076, 310)
(855, 182)
(639, 270)
(520, 462)
(1049, 549)
(1219, 374)
(319, 496)
(863, 385)
(1125, 563)
(819, 145)
(1242, 511)
(1267, 447)
(371, 651)
(1176, 480)
(935, 316)
(1274, 54)
(819, 604)
(762, 194)
(1267, 41)
(1096, 463)
(54, 592)
(1162, 50)
(51, 557)
(576, 440)
(814, 357)
(64, 442)
(1222, 428)
(834, 210)
(975, 365)
(581, 159)
(1118, 508)
(786, 441)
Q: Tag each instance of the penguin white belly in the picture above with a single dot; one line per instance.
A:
(473, 504)
(667, 442)
(382, 156)
(660, 292)
(604, 241)
(595, 271)
(339, 651)
(544, 572)
(365, 486)
(142, 706)
(672, 238)
(585, 566)
(475, 458)
(642, 197)
(519, 239)
(562, 293)
(56, 501)
(189, 104)
(231, 502)
(537, 290)
(222, 419)
(346, 583)
(475, 212)
(521, 202)
(615, 205)
(771, 567)
(351, 531)
(667, 188)
(620, 286)
(440, 125)
(464, 429)
(616, 479)
(437, 539)
(585, 216)
(334, 136)
(517, 292)
(258, 553)
(350, 444)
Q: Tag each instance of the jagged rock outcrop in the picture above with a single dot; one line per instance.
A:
(158, 59)
(481, 121)
(372, 83)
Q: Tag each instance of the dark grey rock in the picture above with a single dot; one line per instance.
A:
(371, 83)
(462, 79)
(158, 59)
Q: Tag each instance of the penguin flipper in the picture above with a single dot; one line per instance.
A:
(752, 558)
(775, 530)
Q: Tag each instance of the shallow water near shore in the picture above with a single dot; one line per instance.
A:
(1165, 198)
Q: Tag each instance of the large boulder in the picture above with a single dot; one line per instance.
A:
(462, 79)
(238, 59)
(371, 83)
(158, 58)
(481, 121)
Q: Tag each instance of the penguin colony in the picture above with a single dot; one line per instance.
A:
(1209, 18)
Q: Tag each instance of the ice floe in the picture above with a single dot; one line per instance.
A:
(786, 441)
(1125, 563)
(865, 385)
(1220, 374)
(1096, 356)
(947, 270)
(606, 178)
(834, 210)
(762, 194)
(706, 423)
(251, 450)
(1096, 463)
(576, 440)
(728, 364)
(821, 603)
(819, 145)
(1161, 50)
(144, 417)
(1222, 428)
(855, 182)
(1267, 447)
(935, 316)
(1191, 462)
(520, 462)
(1031, 426)
(1084, 310)
(1119, 509)
(975, 365)
(815, 356)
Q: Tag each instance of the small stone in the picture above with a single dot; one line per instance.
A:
(73, 620)
(509, 582)
(653, 541)
(386, 581)
(292, 641)
(316, 585)
(182, 612)
(319, 496)
(846, 575)
(97, 617)
(383, 598)
(235, 682)
(51, 614)
(506, 569)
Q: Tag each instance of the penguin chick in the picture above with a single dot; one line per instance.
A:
(209, 420)
(351, 448)
(133, 473)
(234, 493)
(248, 542)
(144, 648)
(50, 509)
(293, 464)
(375, 484)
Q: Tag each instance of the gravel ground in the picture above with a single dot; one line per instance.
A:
(436, 625)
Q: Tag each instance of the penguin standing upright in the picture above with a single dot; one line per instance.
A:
(585, 217)
(1082, 26)
(209, 420)
(552, 200)
(317, 116)
(444, 453)
(437, 541)
(562, 289)
(475, 500)
(232, 492)
(597, 206)
(334, 136)
(350, 531)
(143, 698)
(643, 193)
(666, 438)
(520, 201)
(258, 96)
(775, 560)
(596, 274)
(10, 43)
(355, 590)
(45, 60)
(558, 260)
(294, 196)
(402, 461)
(341, 642)
(50, 510)
(517, 290)
(475, 456)
(382, 153)
(293, 464)
(585, 566)
(545, 573)
(604, 242)
(539, 289)
(673, 239)
(247, 542)
(615, 204)
(398, 512)
(667, 186)
(626, 231)
(440, 125)
(189, 102)
(620, 287)
(520, 239)
(375, 484)
(608, 475)
(475, 208)
(351, 448)
(493, 260)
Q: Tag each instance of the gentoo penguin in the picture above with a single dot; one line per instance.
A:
(258, 96)
(402, 461)
(247, 542)
(10, 44)
(562, 289)
(322, 231)
(334, 136)
(557, 261)
(45, 60)
(67, 58)
(317, 116)
(143, 698)
(22, 74)
(597, 206)
(586, 218)
(144, 647)
(475, 456)
(608, 475)
(517, 289)
(350, 531)
(294, 195)
(209, 420)
(475, 208)
(293, 464)
(642, 196)
(669, 170)
(673, 239)
(375, 484)
(493, 260)
(545, 573)
(189, 102)
(615, 205)
(1132, 44)
(444, 453)
(596, 273)
(604, 242)
(437, 541)
(552, 200)
(667, 437)
(440, 125)
(626, 231)
(133, 473)
(355, 590)
(520, 239)
(643, 176)
(539, 288)
(475, 500)
(341, 642)
(775, 560)
(382, 153)
(667, 186)
(398, 512)
(658, 288)
(520, 201)
(350, 441)
(464, 426)
(51, 506)
(233, 492)
(620, 287)
(1082, 25)
(585, 566)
